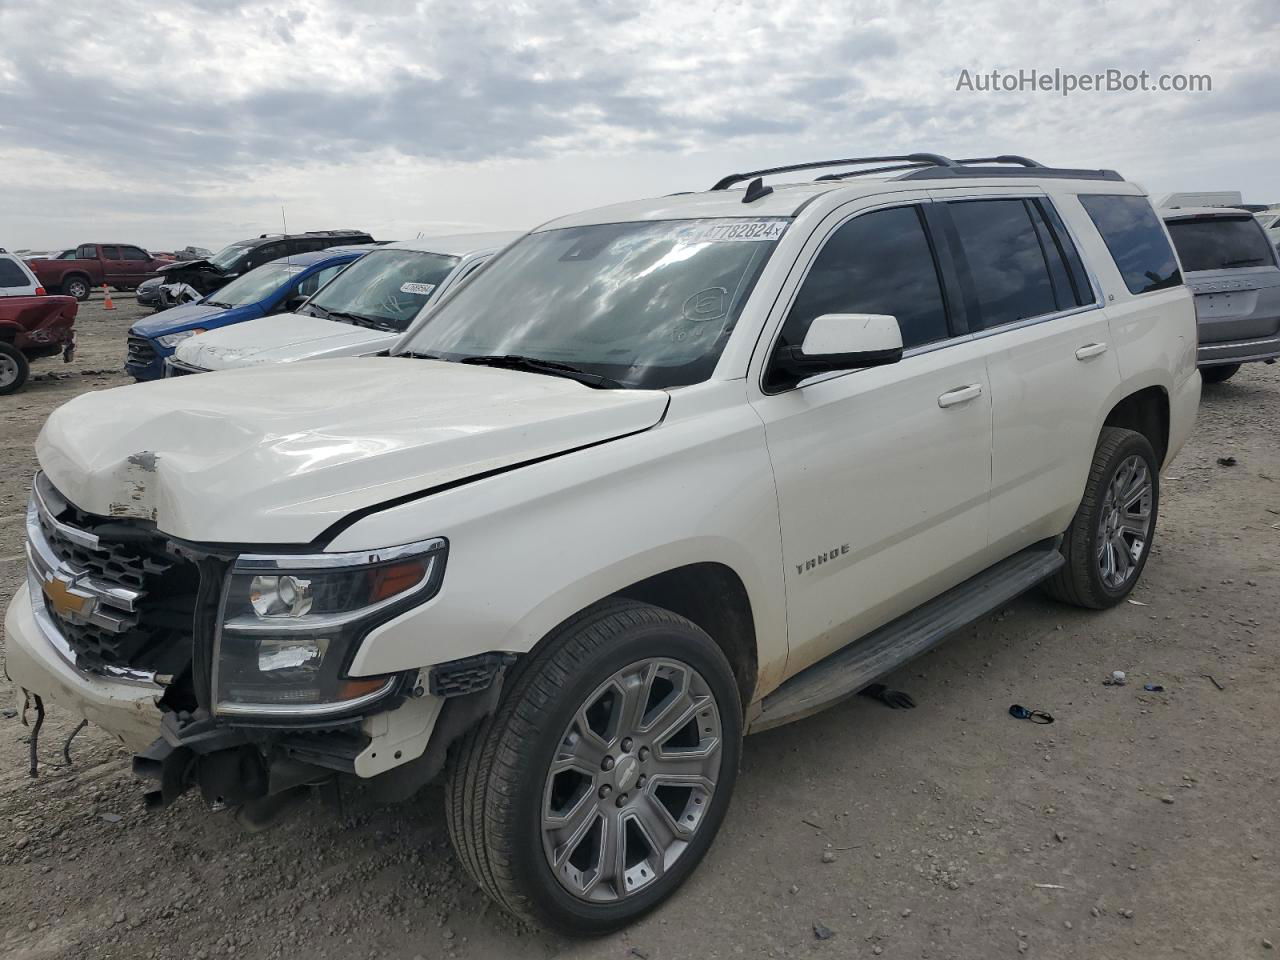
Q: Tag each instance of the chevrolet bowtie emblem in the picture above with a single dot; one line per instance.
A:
(65, 603)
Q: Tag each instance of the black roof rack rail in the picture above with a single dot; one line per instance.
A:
(929, 159)
(1005, 158)
(974, 171)
(894, 168)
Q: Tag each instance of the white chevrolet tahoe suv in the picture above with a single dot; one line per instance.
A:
(659, 475)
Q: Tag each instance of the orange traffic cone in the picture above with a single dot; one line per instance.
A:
(106, 299)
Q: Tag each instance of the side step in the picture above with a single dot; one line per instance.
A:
(864, 661)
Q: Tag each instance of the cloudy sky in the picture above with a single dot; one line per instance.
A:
(166, 123)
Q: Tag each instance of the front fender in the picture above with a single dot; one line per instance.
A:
(531, 547)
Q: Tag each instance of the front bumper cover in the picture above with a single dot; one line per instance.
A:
(126, 709)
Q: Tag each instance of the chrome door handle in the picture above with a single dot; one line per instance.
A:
(1090, 350)
(960, 395)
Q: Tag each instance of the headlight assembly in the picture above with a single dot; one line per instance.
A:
(173, 339)
(289, 626)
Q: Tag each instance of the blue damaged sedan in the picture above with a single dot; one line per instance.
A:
(276, 287)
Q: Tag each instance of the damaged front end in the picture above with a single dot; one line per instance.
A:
(245, 656)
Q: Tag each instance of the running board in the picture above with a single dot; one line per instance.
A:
(869, 658)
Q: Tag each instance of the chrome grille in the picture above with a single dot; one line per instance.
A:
(141, 353)
(109, 592)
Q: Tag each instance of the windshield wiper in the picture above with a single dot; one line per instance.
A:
(552, 368)
(1255, 261)
(219, 303)
(360, 320)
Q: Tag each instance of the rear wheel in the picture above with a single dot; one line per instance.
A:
(1219, 374)
(1109, 539)
(599, 783)
(77, 287)
(13, 368)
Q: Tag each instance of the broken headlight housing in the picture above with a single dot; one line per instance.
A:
(289, 626)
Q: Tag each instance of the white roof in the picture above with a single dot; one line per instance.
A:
(456, 244)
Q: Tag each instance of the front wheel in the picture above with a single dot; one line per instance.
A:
(13, 368)
(596, 787)
(1109, 539)
(1219, 374)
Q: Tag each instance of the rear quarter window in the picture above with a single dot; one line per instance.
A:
(1221, 243)
(12, 275)
(1133, 235)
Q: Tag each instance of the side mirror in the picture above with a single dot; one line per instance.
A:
(843, 341)
(292, 304)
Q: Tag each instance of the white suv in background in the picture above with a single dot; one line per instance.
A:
(663, 474)
(16, 278)
(364, 310)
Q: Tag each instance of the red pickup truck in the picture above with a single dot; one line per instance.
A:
(120, 265)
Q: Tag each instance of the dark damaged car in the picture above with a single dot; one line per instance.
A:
(206, 275)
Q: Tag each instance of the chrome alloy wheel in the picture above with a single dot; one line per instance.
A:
(1125, 525)
(632, 779)
(8, 370)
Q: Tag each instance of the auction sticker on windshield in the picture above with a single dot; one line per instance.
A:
(720, 231)
(422, 289)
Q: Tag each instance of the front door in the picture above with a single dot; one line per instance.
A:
(883, 473)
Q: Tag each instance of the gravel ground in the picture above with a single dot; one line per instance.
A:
(1140, 824)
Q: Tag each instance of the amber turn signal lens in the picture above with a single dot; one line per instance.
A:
(396, 578)
(351, 689)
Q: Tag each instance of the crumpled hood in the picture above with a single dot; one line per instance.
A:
(281, 339)
(278, 454)
(180, 265)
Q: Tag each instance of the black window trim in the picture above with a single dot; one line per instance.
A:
(942, 263)
(943, 242)
(966, 280)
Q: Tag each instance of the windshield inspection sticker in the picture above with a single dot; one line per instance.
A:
(738, 230)
(422, 289)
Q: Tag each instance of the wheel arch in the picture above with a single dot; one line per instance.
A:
(1144, 411)
(712, 596)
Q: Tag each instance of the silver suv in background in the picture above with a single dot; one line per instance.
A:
(1232, 269)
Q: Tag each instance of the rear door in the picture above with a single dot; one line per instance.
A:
(1231, 268)
(115, 269)
(882, 474)
(136, 263)
(1041, 325)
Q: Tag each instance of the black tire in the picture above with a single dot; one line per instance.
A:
(1219, 374)
(1080, 581)
(78, 287)
(14, 368)
(497, 773)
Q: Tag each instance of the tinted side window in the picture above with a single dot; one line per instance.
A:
(877, 263)
(317, 280)
(1005, 261)
(1220, 243)
(134, 253)
(266, 253)
(305, 246)
(87, 251)
(110, 253)
(12, 275)
(1138, 246)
